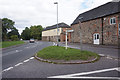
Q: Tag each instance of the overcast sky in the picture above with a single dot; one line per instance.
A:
(43, 12)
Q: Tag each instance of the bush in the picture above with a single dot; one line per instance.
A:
(14, 38)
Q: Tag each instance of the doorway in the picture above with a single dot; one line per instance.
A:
(96, 38)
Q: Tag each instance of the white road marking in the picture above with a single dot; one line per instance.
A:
(26, 60)
(111, 78)
(109, 58)
(18, 64)
(7, 69)
(27, 47)
(17, 50)
(32, 58)
(83, 73)
(118, 69)
(116, 59)
(101, 54)
(12, 52)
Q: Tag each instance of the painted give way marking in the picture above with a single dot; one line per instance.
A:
(80, 75)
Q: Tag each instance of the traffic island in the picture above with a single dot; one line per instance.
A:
(59, 55)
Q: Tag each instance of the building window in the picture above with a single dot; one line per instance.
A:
(113, 21)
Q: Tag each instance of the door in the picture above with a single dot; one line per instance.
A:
(96, 37)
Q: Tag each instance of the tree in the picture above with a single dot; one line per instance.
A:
(26, 34)
(7, 24)
(14, 31)
(36, 32)
(14, 37)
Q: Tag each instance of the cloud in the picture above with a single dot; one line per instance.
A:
(43, 12)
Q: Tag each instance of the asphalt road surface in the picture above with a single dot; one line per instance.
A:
(19, 62)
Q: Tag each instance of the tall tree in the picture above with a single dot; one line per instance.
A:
(36, 31)
(13, 31)
(7, 24)
(26, 34)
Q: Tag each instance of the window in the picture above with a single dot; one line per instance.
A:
(97, 36)
(113, 20)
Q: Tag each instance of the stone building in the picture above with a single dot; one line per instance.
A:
(100, 25)
(50, 33)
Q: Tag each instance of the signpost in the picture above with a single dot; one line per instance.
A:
(66, 37)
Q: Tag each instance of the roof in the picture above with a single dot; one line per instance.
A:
(60, 25)
(101, 11)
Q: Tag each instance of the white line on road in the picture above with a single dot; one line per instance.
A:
(7, 69)
(18, 64)
(101, 54)
(83, 73)
(12, 52)
(26, 60)
(85, 77)
(118, 69)
(27, 47)
(32, 58)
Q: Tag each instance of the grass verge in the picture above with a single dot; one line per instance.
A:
(60, 53)
(10, 43)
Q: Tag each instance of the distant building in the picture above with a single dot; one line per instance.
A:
(100, 25)
(50, 33)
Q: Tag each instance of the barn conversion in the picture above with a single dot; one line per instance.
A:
(100, 25)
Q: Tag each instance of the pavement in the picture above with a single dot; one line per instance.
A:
(19, 62)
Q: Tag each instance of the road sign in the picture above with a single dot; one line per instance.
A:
(70, 30)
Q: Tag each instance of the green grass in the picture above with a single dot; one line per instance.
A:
(10, 43)
(60, 53)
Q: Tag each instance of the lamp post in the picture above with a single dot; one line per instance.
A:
(80, 33)
(57, 22)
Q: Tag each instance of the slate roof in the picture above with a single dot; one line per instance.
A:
(60, 25)
(101, 11)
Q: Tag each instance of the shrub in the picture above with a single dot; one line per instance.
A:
(14, 38)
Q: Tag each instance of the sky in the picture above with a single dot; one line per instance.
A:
(44, 12)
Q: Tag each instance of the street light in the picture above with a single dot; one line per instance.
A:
(80, 33)
(57, 22)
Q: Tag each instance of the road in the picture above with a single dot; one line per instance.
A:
(15, 55)
(19, 62)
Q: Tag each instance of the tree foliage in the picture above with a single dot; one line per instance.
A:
(32, 32)
(36, 31)
(14, 37)
(8, 24)
(14, 31)
(26, 34)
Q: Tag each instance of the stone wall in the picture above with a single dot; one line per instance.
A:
(110, 32)
(87, 29)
